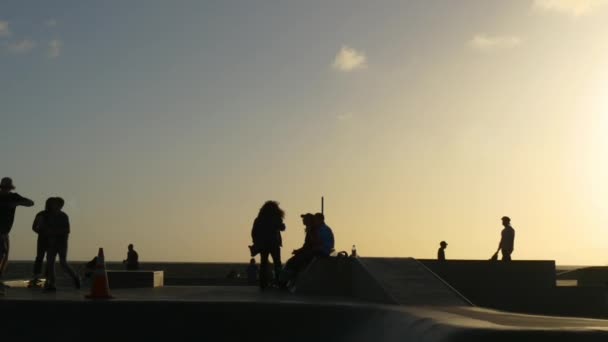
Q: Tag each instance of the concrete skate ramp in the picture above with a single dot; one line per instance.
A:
(245, 314)
(409, 282)
(401, 281)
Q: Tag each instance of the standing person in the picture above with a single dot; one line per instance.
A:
(441, 251)
(9, 201)
(41, 241)
(57, 228)
(507, 239)
(266, 235)
(132, 261)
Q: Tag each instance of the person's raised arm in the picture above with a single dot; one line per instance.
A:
(24, 202)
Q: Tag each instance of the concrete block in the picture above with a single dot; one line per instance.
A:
(135, 279)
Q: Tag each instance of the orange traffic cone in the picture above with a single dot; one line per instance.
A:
(100, 288)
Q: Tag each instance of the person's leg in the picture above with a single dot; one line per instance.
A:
(4, 247)
(62, 251)
(41, 246)
(276, 260)
(263, 269)
(506, 255)
(51, 256)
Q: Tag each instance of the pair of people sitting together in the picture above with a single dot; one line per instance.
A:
(319, 242)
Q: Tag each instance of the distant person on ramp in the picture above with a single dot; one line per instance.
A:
(441, 252)
(507, 239)
(9, 201)
(267, 240)
(57, 228)
(132, 261)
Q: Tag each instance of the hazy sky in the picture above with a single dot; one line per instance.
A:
(168, 123)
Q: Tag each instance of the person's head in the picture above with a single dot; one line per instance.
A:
(252, 261)
(271, 209)
(506, 221)
(307, 219)
(130, 247)
(443, 244)
(6, 185)
(319, 219)
(60, 203)
(48, 205)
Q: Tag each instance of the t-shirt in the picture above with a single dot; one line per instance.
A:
(441, 254)
(507, 241)
(56, 224)
(132, 259)
(7, 210)
(327, 239)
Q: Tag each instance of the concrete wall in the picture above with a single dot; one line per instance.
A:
(501, 275)
(341, 277)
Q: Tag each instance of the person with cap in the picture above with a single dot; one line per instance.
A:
(441, 252)
(9, 201)
(302, 256)
(507, 239)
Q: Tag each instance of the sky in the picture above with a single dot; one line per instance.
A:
(167, 124)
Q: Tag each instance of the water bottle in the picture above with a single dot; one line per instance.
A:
(353, 252)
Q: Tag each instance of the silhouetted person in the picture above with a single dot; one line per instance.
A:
(326, 235)
(441, 252)
(42, 241)
(252, 272)
(266, 235)
(57, 228)
(312, 247)
(9, 201)
(507, 239)
(132, 261)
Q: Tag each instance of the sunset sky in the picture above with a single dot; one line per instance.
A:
(167, 124)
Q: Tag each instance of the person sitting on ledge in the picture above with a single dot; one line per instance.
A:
(252, 272)
(441, 252)
(132, 261)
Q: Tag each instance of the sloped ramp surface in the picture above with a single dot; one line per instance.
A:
(408, 282)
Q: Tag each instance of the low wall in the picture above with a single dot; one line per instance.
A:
(471, 274)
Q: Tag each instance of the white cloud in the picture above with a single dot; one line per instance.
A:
(55, 46)
(572, 7)
(484, 42)
(349, 59)
(51, 23)
(345, 116)
(23, 46)
(4, 31)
